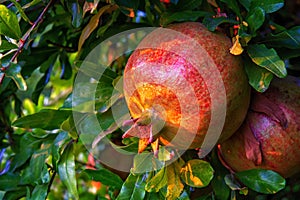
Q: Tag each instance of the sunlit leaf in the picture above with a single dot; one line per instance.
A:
(92, 25)
(67, 172)
(133, 188)
(175, 186)
(263, 181)
(57, 146)
(267, 58)
(197, 173)
(159, 180)
(5, 45)
(9, 25)
(145, 162)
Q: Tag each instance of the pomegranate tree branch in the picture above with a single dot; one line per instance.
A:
(27, 34)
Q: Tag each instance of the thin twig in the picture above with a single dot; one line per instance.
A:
(25, 38)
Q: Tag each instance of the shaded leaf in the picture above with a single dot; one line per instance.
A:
(14, 72)
(255, 18)
(76, 11)
(57, 146)
(155, 183)
(113, 18)
(267, 58)
(133, 188)
(263, 181)
(197, 173)
(92, 25)
(213, 23)
(21, 10)
(5, 45)
(289, 39)
(9, 181)
(105, 176)
(186, 5)
(45, 119)
(246, 3)
(269, 6)
(9, 25)
(259, 78)
(233, 5)
(67, 172)
(234, 185)
(40, 192)
(186, 15)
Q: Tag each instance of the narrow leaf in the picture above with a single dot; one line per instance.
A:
(269, 6)
(158, 181)
(39, 192)
(267, 58)
(92, 25)
(197, 173)
(14, 72)
(58, 143)
(45, 119)
(186, 15)
(133, 188)
(66, 171)
(9, 25)
(21, 11)
(105, 176)
(288, 39)
(255, 18)
(233, 5)
(263, 181)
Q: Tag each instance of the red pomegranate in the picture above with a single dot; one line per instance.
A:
(270, 135)
(175, 75)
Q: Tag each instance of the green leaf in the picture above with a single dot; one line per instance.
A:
(155, 183)
(221, 190)
(9, 25)
(263, 181)
(288, 39)
(145, 162)
(186, 5)
(259, 78)
(233, 5)
(14, 72)
(58, 143)
(9, 181)
(67, 172)
(246, 3)
(186, 15)
(113, 18)
(175, 186)
(267, 58)
(39, 192)
(213, 23)
(45, 119)
(269, 6)
(28, 145)
(105, 176)
(234, 185)
(133, 188)
(21, 11)
(255, 18)
(76, 11)
(5, 45)
(197, 173)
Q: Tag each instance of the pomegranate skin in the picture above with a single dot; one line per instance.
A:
(270, 135)
(164, 77)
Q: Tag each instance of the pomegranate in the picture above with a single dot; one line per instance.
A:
(171, 76)
(270, 135)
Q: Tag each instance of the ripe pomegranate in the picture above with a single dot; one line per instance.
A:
(171, 76)
(270, 135)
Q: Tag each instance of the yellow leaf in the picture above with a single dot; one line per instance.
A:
(175, 185)
(93, 23)
(237, 48)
